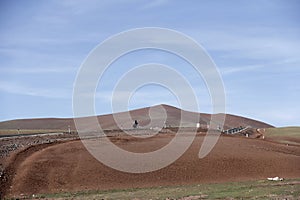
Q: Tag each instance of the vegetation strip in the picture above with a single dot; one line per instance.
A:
(261, 189)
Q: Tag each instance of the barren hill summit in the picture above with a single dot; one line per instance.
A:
(170, 115)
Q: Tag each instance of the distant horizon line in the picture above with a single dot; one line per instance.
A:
(162, 104)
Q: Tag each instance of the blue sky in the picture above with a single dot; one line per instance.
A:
(255, 44)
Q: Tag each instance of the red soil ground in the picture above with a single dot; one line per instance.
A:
(69, 167)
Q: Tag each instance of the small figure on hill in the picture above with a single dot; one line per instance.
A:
(135, 125)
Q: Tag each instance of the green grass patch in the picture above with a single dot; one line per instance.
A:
(284, 131)
(237, 190)
(285, 135)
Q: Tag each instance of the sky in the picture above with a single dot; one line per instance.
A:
(254, 44)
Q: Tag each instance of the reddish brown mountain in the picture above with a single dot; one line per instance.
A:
(142, 115)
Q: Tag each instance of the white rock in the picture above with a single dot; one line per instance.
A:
(275, 179)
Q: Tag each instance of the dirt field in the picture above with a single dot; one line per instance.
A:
(52, 168)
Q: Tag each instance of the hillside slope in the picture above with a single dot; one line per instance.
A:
(142, 115)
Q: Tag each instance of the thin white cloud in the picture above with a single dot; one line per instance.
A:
(287, 63)
(8, 43)
(22, 89)
(232, 70)
(247, 44)
(36, 70)
(80, 7)
(155, 4)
